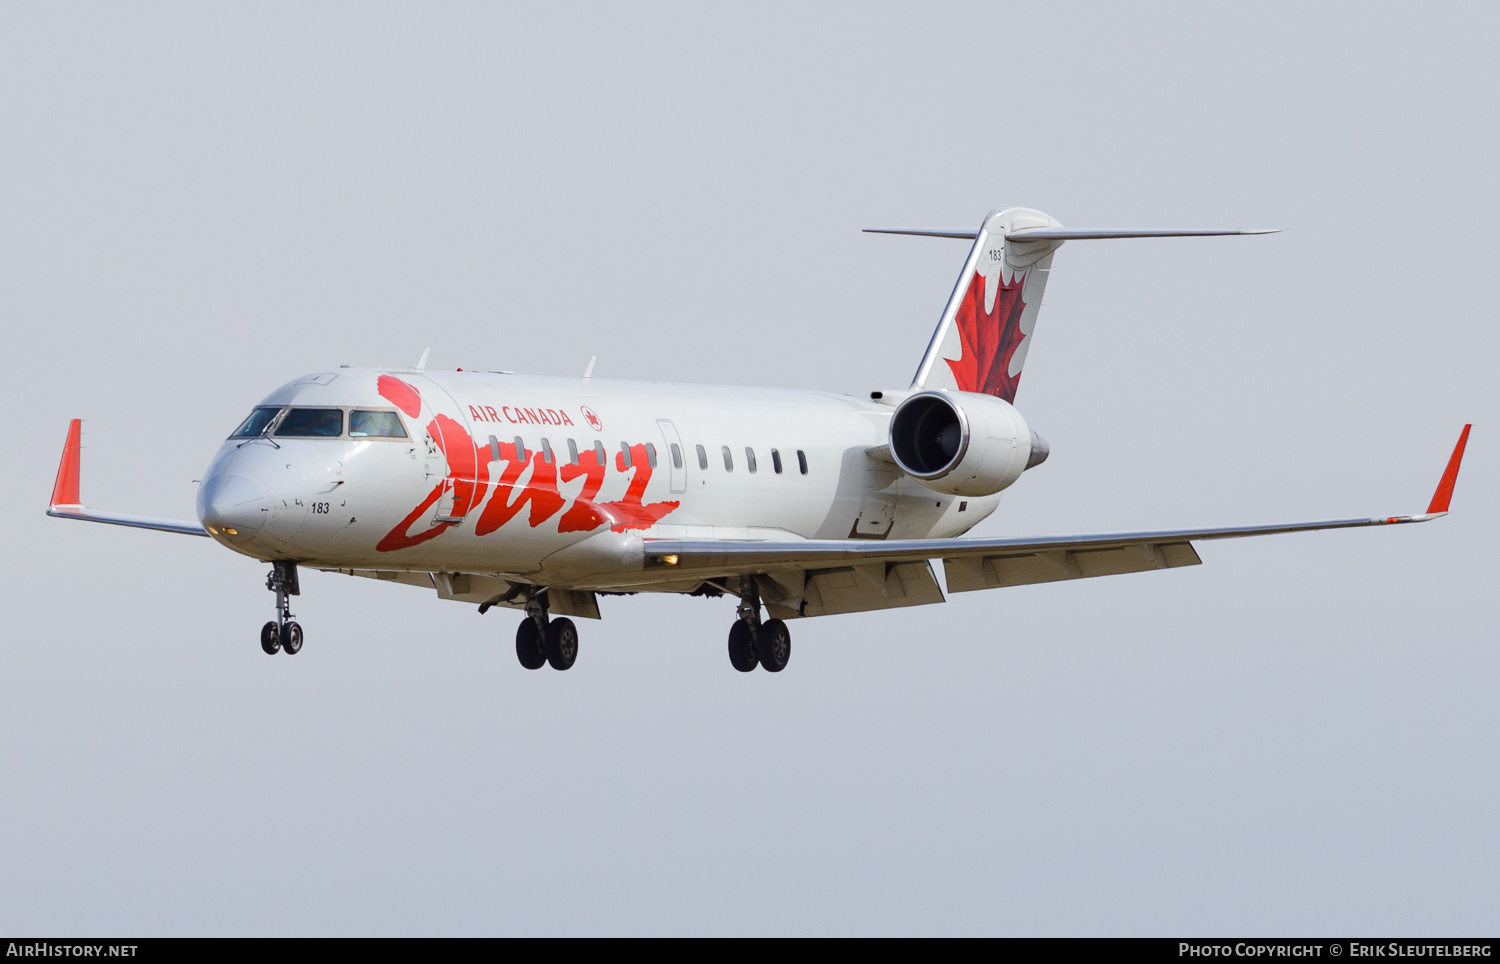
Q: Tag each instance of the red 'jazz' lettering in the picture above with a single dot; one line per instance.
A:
(583, 515)
(468, 475)
(400, 394)
(540, 491)
(468, 479)
(629, 513)
(397, 537)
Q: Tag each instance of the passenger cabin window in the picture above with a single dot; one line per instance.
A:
(375, 425)
(572, 451)
(776, 461)
(520, 449)
(750, 459)
(546, 451)
(625, 453)
(494, 449)
(651, 455)
(256, 423)
(676, 456)
(802, 461)
(598, 452)
(312, 423)
(728, 460)
(702, 458)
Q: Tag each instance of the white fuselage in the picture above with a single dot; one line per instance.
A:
(459, 494)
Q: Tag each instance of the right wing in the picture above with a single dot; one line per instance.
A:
(817, 576)
(66, 504)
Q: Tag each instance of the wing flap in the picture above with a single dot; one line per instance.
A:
(866, 587)
(970, 573)
(485, 589)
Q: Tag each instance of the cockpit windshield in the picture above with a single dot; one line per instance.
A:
(375, 425)
(312, 422)
(256, 423)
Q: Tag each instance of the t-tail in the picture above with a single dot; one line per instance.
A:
(985, 331)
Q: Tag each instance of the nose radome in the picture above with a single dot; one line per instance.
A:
(233, 508)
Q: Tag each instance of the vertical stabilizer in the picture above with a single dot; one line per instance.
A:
(982, 338)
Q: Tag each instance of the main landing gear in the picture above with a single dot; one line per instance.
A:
(282, 633)
(754, 643)
(542, 640)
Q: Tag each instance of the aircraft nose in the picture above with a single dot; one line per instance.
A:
(233, 508)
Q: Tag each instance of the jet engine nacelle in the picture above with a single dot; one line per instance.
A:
(963, 443)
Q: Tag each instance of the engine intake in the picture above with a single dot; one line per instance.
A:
(963, 443)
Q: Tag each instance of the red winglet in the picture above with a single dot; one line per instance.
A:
(65, 489)
(1444, 493)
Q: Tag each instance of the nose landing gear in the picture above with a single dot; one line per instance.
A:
(282, 633)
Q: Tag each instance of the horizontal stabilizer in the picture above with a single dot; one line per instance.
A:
(1074, 234)
(1092, 234)
(968, 234)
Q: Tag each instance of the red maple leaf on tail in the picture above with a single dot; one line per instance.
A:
(989, 339)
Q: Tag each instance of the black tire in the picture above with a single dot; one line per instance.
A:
(270, 639)
(291, 638)
(773, 643)
(529, 645)
(562, 643)
(742, 647)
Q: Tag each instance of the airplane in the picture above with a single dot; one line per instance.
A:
(541, 494)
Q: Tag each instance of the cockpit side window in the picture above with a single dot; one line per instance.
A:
(312, 423)
(256, 423)
(375, 425)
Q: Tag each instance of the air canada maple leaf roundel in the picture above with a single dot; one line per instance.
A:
(592, 418)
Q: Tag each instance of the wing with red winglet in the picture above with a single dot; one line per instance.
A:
(67, 504)
(814, 577)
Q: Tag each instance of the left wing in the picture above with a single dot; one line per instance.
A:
(66, 503)
(856, 572)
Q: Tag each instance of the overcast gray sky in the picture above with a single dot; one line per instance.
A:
(200, 202)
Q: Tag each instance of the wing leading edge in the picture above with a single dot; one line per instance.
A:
(972, 564)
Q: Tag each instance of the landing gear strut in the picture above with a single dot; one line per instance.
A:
(282, 633)
(755, 643)
(542, 640)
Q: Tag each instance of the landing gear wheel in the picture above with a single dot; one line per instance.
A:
(773, 644)
(291, 639)
(742, 647)
(562, 643)
(529, 645)
(270, 639)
